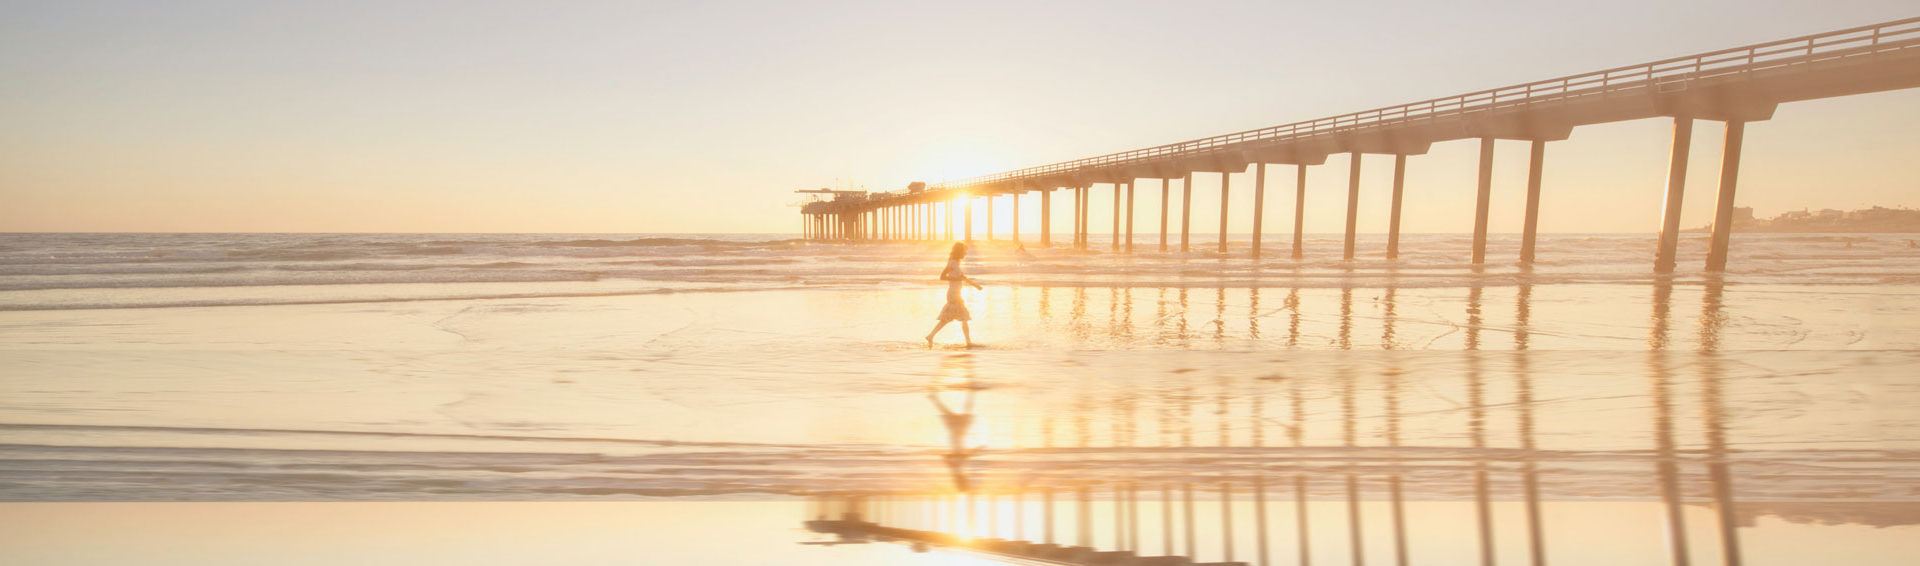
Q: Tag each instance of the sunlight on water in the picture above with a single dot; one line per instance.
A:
(1417, 407)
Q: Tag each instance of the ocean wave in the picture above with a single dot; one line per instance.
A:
(645, 242)
(164, 302)
(298, 277)
(566, 468)
(48, 262)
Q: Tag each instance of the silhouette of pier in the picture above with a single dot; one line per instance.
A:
(1734, 86)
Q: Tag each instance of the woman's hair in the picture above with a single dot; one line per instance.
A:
(959, 251)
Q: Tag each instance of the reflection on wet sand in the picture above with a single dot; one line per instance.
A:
(1370, 469)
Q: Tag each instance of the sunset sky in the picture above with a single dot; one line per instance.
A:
(704, 116)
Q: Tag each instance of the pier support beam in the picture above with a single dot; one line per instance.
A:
(1130, 216)
(1393, 214)
(1536, 156)
(1046, 219)
(947, 227)
(1225, 177)
(1086, 216)
(967, 229)
(1353, 205)
(1016, 218)
(1084, 195)
(989, 218)
(1115, 234)
(1723, 208)
(1484, 192)
(1259, 213)
(1075, 239)
(1663, 258)
(1299, 207)
(1186, 212)
(1164, 189)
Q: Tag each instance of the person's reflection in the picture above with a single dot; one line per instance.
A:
(958, 423)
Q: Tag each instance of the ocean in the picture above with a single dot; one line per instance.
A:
(92, 271)
(746, 367)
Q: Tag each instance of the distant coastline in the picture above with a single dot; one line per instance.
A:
(1876, 220)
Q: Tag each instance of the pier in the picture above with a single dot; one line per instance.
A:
(1735, 86)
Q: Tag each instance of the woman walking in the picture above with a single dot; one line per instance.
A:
(955, 309)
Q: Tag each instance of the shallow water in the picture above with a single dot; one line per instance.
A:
(301, 368)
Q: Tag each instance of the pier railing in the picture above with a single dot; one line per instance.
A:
(1666, 75)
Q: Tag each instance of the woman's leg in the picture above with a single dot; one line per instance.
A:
(936, 330)
(966, 331)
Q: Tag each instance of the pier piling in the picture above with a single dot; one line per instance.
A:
(1224, 178)
(1046, 219)
(1723, 207)
(1259, 206)
(1299, 206)
(1536, 154)
(1393, 214)
(1676, 192)
(1484, 192)
(1353, 204)
(1164, 189)
(1186, 212)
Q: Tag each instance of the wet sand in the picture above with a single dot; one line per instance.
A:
(1602, 406)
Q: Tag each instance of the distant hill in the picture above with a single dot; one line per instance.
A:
(1878, 219)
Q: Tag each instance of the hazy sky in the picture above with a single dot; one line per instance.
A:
(702, 116)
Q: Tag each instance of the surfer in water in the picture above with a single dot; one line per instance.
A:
(955, 309)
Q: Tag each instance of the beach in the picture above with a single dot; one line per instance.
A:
(1584, 393)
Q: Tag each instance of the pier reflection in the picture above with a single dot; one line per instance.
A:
(1410, 457)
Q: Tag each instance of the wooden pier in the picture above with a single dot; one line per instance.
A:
(1735, 86)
